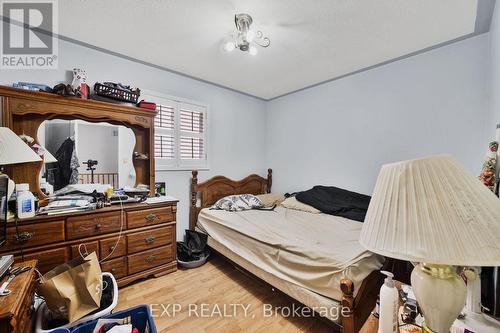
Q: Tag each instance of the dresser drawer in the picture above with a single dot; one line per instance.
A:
(145, 260)
(34, 235)
(27, 308)
(92, 225)
(49, 259)
(147, 217)
(89, 247)
(146, 240)
(107, 246)
(117, 267)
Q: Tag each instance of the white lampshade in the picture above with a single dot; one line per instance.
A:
(14, 150)
(48, 157)
(432, 210)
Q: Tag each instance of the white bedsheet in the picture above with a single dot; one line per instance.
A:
(314, 251)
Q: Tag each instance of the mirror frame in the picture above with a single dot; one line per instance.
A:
(24, 111)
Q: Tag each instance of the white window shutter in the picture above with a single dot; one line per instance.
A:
(192, 135)
(165, 141)
(180, 134)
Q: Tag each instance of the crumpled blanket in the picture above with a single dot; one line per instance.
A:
(336, 201)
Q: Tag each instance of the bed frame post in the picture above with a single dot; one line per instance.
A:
(194, 211)
(347, 309)
(269, 180)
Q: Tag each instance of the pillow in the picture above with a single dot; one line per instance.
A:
(271, 199)
(236, 203)
(293, 203)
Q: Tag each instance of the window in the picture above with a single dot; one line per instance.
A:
(180, 134)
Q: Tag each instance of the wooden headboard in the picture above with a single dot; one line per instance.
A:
(218, 187)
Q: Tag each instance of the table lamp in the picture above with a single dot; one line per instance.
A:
(14, 150)
(432, 211)
(48, 157)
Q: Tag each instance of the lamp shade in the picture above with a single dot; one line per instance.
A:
(432, 210)
(14, 150)
(48, 157)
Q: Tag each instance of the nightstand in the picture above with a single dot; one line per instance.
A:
(16, 309)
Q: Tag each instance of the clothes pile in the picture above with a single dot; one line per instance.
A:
(194, 251)
(336, 201)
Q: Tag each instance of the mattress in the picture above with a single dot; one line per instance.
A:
(314, 251)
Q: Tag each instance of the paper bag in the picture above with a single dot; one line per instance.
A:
(74, 289)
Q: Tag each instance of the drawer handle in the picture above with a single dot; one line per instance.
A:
(111, 248)
(150, 217)
(23, 237)
(113, 270)
(150, 258)
(149, 239)
(98, 226)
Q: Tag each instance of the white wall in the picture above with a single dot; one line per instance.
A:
(237, 122)
(341, 132)
(97, 142)
(494, 73)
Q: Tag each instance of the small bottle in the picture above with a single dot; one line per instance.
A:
(45, 187)
(389, 306)
(25, 201)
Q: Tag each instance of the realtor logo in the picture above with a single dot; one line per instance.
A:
(29, 29)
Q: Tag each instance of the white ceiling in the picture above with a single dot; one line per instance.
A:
(311, 40)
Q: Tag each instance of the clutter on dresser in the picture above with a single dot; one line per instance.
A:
(12, 273)
(79, 83)
(117, 91)
(147, 105)
(160, 189)
(140, 156)
(25, 201)
(32, 86)
(15, 308)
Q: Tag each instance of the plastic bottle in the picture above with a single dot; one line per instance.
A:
(389, 306)
(47, 188)
(25, 201)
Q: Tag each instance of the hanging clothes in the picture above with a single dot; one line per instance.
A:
(65, 164)
(74, 165)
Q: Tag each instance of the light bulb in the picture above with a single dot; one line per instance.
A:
(250, 36)
(229, 46)
(252, 50)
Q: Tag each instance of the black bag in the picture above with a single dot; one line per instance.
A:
(194, 248)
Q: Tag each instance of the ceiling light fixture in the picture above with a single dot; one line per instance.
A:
(245, 38)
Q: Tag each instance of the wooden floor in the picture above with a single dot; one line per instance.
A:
(202, 293)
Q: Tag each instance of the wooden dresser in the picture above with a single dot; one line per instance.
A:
(16, 309)
(147, 246)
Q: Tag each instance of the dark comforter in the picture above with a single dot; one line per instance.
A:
(336, 201)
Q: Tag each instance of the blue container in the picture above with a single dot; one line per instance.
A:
(140, 318)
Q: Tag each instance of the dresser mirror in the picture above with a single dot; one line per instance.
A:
(82, 152)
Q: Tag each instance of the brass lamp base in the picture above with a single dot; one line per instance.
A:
(441, 294)
(426, 329)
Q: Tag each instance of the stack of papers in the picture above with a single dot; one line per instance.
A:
(66, 206)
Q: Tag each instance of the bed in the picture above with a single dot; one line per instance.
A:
(330, 272)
